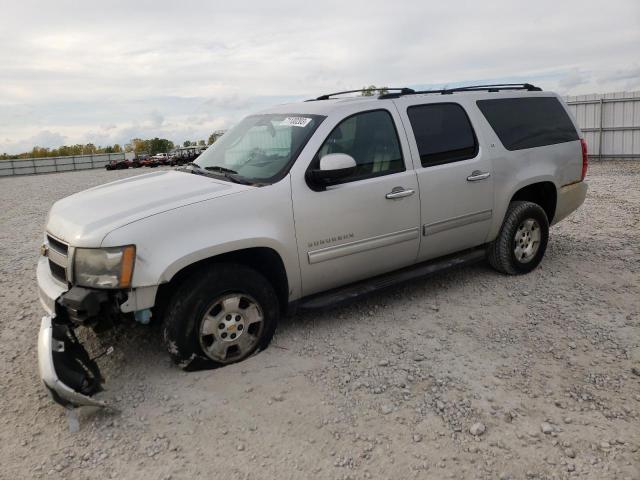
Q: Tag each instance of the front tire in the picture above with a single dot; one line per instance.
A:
(219, 316)
(522, 240)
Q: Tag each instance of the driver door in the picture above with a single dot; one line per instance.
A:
(368, 223)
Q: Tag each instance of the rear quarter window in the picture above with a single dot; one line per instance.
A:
(528, 122)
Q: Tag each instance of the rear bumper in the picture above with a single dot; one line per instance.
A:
(60, 355)
(570, 197)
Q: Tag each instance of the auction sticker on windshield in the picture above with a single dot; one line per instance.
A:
(296, 121)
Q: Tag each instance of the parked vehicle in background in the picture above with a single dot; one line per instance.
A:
(118, 164)
(183, 155)
(383, 189)
(161, 158)
(149, 162)
(140, 160)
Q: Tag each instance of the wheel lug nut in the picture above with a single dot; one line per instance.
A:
(233, 335)
(240, 327)
(237, 318)
(224, 335)
(221, 326)
(228, 317)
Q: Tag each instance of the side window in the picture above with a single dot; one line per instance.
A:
(528, 122)
(371, 139)
(443, 133)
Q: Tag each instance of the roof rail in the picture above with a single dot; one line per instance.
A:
(399, 92)
(402, 91)
(471, 88)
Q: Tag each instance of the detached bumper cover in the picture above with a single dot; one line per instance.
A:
(65, 367)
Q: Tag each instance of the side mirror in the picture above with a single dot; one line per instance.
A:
(333, 167)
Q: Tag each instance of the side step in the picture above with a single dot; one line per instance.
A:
(343, 294)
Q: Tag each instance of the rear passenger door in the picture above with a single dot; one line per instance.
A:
(455, 176)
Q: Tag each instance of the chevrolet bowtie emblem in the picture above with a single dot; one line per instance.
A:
(44, 250)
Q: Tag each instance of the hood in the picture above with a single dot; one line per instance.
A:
(85, 218)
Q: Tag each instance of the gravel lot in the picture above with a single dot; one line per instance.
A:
(543, 368)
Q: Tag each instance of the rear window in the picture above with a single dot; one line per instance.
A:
(528, 122)
(443, 133)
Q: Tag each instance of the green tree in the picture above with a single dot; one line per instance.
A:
(140, 146)
(186, 143)
(160, 145)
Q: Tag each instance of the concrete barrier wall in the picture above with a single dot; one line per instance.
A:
(33, 166)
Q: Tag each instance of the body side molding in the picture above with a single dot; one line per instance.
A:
(337, 251)
(456, 222)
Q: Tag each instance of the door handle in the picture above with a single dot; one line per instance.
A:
(478, 175)
(399, 192)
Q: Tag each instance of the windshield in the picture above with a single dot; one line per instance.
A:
(260, 148)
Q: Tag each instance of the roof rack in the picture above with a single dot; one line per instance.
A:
(399, 92)
(402, 91)
(471, 88)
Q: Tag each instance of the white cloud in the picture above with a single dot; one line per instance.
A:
(43, 138)
(180, 69)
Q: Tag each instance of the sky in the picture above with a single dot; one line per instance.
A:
(106, 72)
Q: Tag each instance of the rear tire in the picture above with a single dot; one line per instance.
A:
(522, 240)
(219, 316)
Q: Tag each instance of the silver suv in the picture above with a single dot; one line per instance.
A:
(305, 205)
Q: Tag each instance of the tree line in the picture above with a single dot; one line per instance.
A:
(136, 145)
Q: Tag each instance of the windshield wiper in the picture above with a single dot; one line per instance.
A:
(227, 173)
(191, 164)
(230, 174)
(216, 168)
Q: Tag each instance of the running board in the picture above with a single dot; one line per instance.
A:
(343, 294)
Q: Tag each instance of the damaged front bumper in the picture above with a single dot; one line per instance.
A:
(68, 373)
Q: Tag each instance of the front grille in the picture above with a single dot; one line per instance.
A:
(60, 273)
(58, 258)
(58, 245)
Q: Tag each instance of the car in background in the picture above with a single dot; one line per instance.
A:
(161, 158)
(149, 162)
(118, 164)
(184, 155)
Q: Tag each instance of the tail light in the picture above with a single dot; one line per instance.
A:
(585, 158)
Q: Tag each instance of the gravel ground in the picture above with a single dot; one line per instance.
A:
(468, 374)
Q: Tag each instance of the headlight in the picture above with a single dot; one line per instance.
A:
(104, 267)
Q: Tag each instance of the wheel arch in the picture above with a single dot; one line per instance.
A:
(543, 193)
(265, 260)
(541, 190)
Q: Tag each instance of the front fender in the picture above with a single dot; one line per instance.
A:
(220, 249)
(173, 240)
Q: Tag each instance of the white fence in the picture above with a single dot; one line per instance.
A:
(610, 123)
(31, 166)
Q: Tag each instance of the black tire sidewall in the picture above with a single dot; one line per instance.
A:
(187, 307)
(530, 210)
